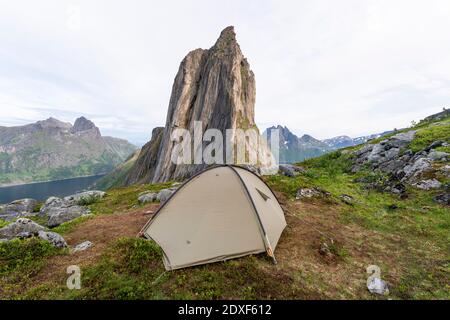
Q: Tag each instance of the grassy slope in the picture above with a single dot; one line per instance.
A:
(408, 238)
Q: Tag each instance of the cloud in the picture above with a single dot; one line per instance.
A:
(322, 67)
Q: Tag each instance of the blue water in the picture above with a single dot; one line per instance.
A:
(42, 190)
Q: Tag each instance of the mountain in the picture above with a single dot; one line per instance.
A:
(52, 149)
(346, 141)
(295, 149)
(214, 86)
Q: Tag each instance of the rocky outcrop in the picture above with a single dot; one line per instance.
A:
(393, 157)
(20, 227)
(84, 198)
(18, 208)
(214, 86)
(25, 228)
(59, 210)
(290, 170)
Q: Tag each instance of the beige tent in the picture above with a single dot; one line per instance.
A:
(222, 213)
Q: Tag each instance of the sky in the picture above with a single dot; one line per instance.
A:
(325, 68)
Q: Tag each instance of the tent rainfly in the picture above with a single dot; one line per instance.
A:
(223, 212)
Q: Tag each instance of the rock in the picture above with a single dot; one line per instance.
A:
(18, 208)
(445, 170)
(58, 215)
(25, 235)
(52, 202)
(54, 238)
(214, 86)
(428, 184)
(21, 225)
(164, 194)
(443, 198)
(434, 145)
(84, 198)
(437, 155)
(402, 139)
(291, 170)
(310, 193)
(347, 199)
(82, 246)
(416, 169)
(147, 197)
(378, 286)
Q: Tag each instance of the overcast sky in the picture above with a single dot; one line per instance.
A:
(325, 68)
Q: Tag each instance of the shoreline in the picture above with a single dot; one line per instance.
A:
(47, 181)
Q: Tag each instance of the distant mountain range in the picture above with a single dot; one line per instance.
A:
(295, 149)
(52, 150)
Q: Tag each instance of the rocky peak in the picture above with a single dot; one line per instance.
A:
(52, 123)
(83, 125)
(214, 86)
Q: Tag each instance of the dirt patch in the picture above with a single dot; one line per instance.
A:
(101, 230)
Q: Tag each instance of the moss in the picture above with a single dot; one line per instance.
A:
(24, 256)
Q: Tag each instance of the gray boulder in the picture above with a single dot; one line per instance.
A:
(428, 184)
(82, 246)
(378, 286)
(22, 225)
(164, 194)
(310, 193)
(147, 197)
(83, 198)
(291, 170)
(347, 199)
(59, 215)
(55, 239)
(52, 202)
(437, 155)
(416, 169)
(17, 208)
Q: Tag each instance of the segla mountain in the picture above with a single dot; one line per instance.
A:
(52, 150)
(215, 87)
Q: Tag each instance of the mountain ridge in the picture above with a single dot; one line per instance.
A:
(51, 149)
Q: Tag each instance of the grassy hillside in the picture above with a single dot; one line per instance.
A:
(323, 253)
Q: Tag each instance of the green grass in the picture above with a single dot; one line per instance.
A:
(3, 223)
(133, 269)
(426, 135)
(24, 256)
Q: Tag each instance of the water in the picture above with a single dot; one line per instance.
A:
(42, 190)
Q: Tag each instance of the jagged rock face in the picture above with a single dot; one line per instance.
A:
(85, 126)
(214, 86)
(145, 165)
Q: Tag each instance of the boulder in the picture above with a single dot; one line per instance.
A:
(84, 198)
(82, 246)
(347, 199)
(52, 202)
(428, 184)
(17, 208)
(147, 197)
(58, 215)
(443, 198)
(310, 193)
(437, 155)
(20, 226)
(291, 170)
(54, 238)
(378, 286)
(416, 169)
(164, 194)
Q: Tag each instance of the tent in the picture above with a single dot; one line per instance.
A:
(221, 213)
